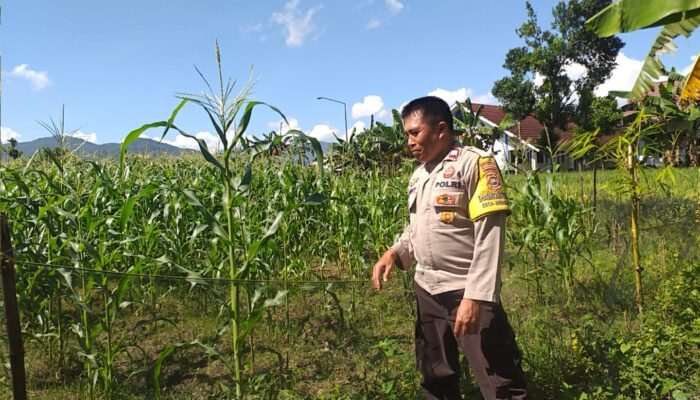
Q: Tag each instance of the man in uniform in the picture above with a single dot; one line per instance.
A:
(456, 233)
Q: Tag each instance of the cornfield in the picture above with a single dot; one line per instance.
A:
(242, 274)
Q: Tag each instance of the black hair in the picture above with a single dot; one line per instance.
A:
(432, 109)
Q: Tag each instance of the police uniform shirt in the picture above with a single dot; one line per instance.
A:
(456, 230)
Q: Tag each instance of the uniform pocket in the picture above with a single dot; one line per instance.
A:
(450, 207)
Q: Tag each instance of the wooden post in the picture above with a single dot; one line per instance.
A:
(9, 292)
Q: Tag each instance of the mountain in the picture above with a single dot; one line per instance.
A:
(107, 150)
(140, 145)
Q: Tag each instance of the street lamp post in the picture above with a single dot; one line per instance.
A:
(345, 110)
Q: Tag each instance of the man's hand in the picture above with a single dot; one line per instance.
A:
(467, 319)
(383, 267)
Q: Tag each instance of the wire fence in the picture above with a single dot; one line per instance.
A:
(198, 279)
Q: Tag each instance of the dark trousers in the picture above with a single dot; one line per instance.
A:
(492, 354)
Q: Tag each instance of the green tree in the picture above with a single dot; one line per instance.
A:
(13, 152)
(546, 56)
(604, 114)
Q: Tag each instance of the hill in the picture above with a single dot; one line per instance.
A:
(140, 145)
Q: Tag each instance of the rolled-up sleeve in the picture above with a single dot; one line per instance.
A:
(403, 248)
(483, 280)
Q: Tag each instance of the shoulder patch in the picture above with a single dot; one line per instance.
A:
(490, 194)
(454, 153)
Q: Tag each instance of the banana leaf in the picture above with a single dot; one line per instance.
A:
(653, 69)
(630, 15)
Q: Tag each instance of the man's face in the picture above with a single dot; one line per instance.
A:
(426, 141)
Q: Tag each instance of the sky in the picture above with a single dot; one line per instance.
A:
(116, 65)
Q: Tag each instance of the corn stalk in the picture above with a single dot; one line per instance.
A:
(223, 108)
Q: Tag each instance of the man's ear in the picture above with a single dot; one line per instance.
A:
(442, 129)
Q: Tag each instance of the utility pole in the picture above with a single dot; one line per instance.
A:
(345, 110)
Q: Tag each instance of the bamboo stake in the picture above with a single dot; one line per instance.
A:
(634, 218)
(14, 333)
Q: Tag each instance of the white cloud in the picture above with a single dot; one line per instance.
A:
(358, 127)
(451, 97)
(212, 141)
(575, 71)
(292, 123)
(251, 28)
(487, 98)
(373, 23)
(383, 113)
(298, 24)
(394, 6)
(9, 133)
(88, 137)
(254, 30)
(686, 70)
(38, 79)
(622, 77)
(371, 104)
(323, 132)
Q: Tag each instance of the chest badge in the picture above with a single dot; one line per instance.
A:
(445, 200)
(447, 217)
(449, 172)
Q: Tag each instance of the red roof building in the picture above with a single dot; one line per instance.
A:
(528, 129)
(518, 144)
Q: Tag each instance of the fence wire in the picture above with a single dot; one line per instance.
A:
(190, 279)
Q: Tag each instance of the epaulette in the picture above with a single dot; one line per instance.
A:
(477, 151)
(454, 153)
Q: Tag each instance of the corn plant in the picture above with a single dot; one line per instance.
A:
(233, 228)
(549, 226)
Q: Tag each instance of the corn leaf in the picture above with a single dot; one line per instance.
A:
(315, 145)
(133, 135)
(128, 208)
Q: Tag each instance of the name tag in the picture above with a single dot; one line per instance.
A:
(448, 184)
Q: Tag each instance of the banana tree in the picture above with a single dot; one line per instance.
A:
(681, 124)
(475, 133)
(678, 17)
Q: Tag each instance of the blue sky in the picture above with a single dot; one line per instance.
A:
(118, 65)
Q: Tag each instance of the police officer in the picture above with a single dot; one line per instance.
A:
(456, 233)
